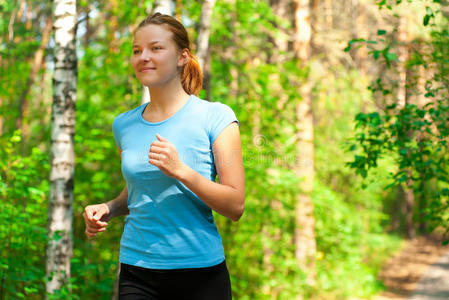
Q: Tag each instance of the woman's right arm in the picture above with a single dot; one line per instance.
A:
(119, 206)
(96, 216)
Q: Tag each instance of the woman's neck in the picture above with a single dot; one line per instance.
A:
(166, 99)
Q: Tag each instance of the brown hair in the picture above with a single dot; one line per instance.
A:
(191, 74)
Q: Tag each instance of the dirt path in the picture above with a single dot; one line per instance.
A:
(403, 271)
(434, 285)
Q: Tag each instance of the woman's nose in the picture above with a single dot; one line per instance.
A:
(146, 55)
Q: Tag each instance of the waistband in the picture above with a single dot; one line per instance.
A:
(173, 271)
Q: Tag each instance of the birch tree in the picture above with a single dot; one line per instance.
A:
(60, 215)
(305, 221)
(204, 32)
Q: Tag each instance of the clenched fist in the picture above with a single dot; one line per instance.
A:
(164, 155)
(96, 217)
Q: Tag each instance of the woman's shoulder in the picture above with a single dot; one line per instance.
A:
(129, 113)
(210, 106)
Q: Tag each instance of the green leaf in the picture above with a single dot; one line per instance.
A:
(381, 3)
(391, 56)
(381, 32)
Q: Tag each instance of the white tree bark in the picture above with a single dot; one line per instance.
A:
(204, 32)
(305, 221)
(163, 6)
(303, 30)
(60, 214)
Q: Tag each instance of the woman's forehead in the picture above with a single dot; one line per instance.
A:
(152, 33)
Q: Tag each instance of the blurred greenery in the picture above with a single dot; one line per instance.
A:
(359, 223)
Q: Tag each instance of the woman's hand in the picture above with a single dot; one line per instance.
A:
(164, 155)
(96, 217)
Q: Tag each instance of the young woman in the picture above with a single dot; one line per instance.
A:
(172, 149)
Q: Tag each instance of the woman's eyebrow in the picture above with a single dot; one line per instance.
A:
(150, 43)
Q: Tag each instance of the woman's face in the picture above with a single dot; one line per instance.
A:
(156, 57)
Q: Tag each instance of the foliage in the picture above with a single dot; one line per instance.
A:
(415, 135)
(353, 248)
(23, 219)
(350, 222)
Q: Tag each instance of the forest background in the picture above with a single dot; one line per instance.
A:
(343, 110)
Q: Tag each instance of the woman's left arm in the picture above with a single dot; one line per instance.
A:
(227, 197)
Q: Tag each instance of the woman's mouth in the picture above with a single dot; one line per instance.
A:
(147, 69)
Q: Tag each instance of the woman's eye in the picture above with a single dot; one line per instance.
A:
(157, 48)
(136, 51)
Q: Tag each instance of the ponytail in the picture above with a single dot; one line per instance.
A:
(192, 76)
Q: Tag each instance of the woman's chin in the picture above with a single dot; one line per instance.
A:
(148, 83)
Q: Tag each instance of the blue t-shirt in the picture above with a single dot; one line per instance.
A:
(168, 226)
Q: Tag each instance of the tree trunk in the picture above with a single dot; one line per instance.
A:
(162, 6)
(328, 13)
(88, 33)
(29, 16)
(362, 52)
(60, 215)
(37, 64)
(17, 12)
(402, 56)
(204, 32)
(355, 30)
(305, 222)
(402, 101)
(409, 204)
(421, 102)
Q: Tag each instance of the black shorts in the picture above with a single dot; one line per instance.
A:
(209, 283)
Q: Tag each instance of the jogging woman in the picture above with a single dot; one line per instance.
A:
(172, 150)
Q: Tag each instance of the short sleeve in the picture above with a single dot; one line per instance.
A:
(116, 133)
(220, 116)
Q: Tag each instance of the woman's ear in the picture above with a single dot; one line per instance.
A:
(184, 57)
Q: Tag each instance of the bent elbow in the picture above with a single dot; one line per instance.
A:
(240, 213)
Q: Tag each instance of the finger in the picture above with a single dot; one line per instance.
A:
(90, 234)
(89, 212)
(158, 143)
(101, 210)
(101, 223)
(157, 163)
(161, 138)
(96, 225)
(157, 149)
(91, 231)
(156, 156)
(94, 231)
